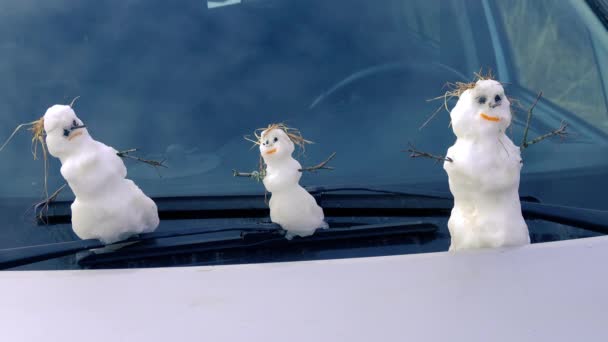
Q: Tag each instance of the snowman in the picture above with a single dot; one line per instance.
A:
(107, 207)
(291, 206)
(483, 167)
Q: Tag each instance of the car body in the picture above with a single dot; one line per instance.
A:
(550, 291)
(184, 81)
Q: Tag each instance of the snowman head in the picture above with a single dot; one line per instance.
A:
(275, 145)
(482, 110)
(64, 131)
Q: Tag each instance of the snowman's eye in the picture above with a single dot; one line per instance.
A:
(74, 123)
(267, 142)
(482, 99)
(497, 98)
(66, 133)
(276, 139)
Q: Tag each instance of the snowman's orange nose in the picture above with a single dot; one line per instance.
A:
(74, 135)
(489, 117)
(271, 151)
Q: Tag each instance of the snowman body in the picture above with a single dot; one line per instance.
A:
(107, 206)
(484, 172)
(291, 206)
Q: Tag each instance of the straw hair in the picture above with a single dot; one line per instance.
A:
(293, 133)
(38, 138)
(455, 89)
(37, 129)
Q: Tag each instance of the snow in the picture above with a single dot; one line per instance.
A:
(107, 207)
(291, 206)
(484, 174)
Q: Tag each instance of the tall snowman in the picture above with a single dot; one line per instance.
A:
(107, 207)
(291, 206)
(483, 167)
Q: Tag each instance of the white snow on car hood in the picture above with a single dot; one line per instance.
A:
(551, 291)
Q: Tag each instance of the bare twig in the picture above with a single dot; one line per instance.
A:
(561, 132)
(415, 154)
(74, 101)
(320, 166)
(256, 175)
(432, 117)
(154, 163)
(42, 207)
(15, 132)
(259, 175)
(525, 138)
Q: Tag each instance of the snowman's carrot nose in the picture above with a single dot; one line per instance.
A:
(271, 151)
(489, 117)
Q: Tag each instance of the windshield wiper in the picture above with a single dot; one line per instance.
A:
(589, 219)
(270, 232)
(352, 201)
(338, 201)
(346, 189)
(13, 257)
(333, 237)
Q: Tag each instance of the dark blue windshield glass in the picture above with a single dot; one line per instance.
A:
(186, 80)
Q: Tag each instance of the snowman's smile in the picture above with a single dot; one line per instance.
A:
(70, 134)
(271, 151)
(489, 117)
(74, 135)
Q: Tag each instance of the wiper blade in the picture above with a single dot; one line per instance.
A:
(352, 201)
(254, 240)
(442, 203)
(13, 257)
(344, 189)
(179, 208)
(336, 201)
(589, 219)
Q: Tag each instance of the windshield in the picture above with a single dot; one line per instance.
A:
(185, 81)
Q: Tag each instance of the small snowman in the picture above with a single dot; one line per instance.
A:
(291, 206)
(107, 206)
(483, 167)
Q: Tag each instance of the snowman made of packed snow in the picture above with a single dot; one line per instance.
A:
(291, 206)
(484, 167)
(107, 206)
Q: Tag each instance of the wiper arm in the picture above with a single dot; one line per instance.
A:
(589, 219)
(13, 257)
(351, 201)
(255, 240)
(337, 201)
(344, 189)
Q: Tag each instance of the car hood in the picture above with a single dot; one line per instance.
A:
(551, 291)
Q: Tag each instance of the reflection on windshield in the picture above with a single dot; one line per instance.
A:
(184, 81)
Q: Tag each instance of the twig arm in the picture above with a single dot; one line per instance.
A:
(42, 207)
(525, 138)
(155, 163)
(255, 175)
(415, 154)
(320, 166)
(561, 132)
